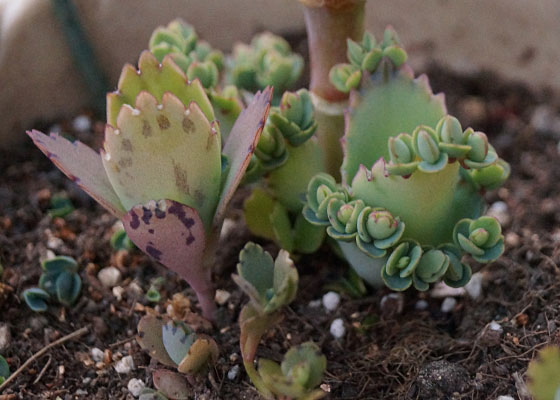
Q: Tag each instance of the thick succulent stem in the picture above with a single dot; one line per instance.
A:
(329, 24)
(205, 294)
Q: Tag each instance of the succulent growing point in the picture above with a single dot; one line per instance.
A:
(267, 61)
(59, 280)
(544, 374)
(410, 202)
(298, 375)
(286, 158)
(162, 169)
(270, 285)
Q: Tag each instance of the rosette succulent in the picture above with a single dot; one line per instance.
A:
(410, 202)
(162, 169)
(286, 158)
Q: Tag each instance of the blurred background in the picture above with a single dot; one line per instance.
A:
(39, 81)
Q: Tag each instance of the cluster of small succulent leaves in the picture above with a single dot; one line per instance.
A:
(285, 159)
(410, 203)
(175, 344)
(4, 370)
(120, 240)
(59, 281)
(195, 57)
(366, 57)
(544, 374)
(60, 206)
(272, 285)
(267, 61)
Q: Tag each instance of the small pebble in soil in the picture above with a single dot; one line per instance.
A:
(546, 121)
(125, 365)
(513, 240)
(109, 276)
(233, 373)
(222, 296)
(421, 305)
(97, 354)
(38, 322)
(135, 386)
(118, 292)
(505, 398)
(331, 300)
(441, 291)
(474, 287)
(82, 123)
(391, 304)
(315, 303)
(448, 304)
(5, 337)
(337, 328)
(500, 211)
(494, 326)
(81, 392)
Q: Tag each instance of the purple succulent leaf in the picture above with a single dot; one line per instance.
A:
(172, 384)
(173, 234)
(82, 165)
(241, 144)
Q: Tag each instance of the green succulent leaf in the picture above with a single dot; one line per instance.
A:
(150, 338)
(121, 241)
(68, 288)
(36, 299)
(4, 369)
(60, 206)
(544, 374)
(482, 238)
(307, 237)
(294, 118)
(177, 339)
(432, 266)
(58, 264)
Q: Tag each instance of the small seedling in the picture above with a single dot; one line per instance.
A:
(121, 241)
(60, 206)
(4, 370)
(153, 295)
(60, 280)
(544, 374)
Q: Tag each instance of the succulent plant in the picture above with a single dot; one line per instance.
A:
(60, 206)
(162, 170)
(298, 375)
(196, 58)
(544, 374)
(175, 344)
(286, 158)
(4, 370)
(267, 61)
(59, 280)
(121, 241)
(410, 202)
(270, 286)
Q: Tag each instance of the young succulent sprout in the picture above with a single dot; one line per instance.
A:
(299, 374)
(544, 374)
(59, 280)
(175, 344)
(410, 203)
(4, 370)
(286, 158)
(162, 170)
(268, 61)
(270, 285)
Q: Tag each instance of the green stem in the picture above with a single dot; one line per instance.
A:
(255, 378)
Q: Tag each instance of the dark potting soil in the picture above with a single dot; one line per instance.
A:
(386, 353)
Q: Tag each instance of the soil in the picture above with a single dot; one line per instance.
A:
(386, 353)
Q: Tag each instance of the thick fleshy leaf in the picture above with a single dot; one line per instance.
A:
(36, 299)
(256, 266)
(307, 237)
(385, 109)
(172, 384)
(241, 144)
(68, 288)
(58, 264)
(203, 352)
(83, 166)
(257, 209)
(156, 79)
(282, 227)
(308, 353)
(177, 340)
(150, 338)
(171, 233)
(164, 151)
